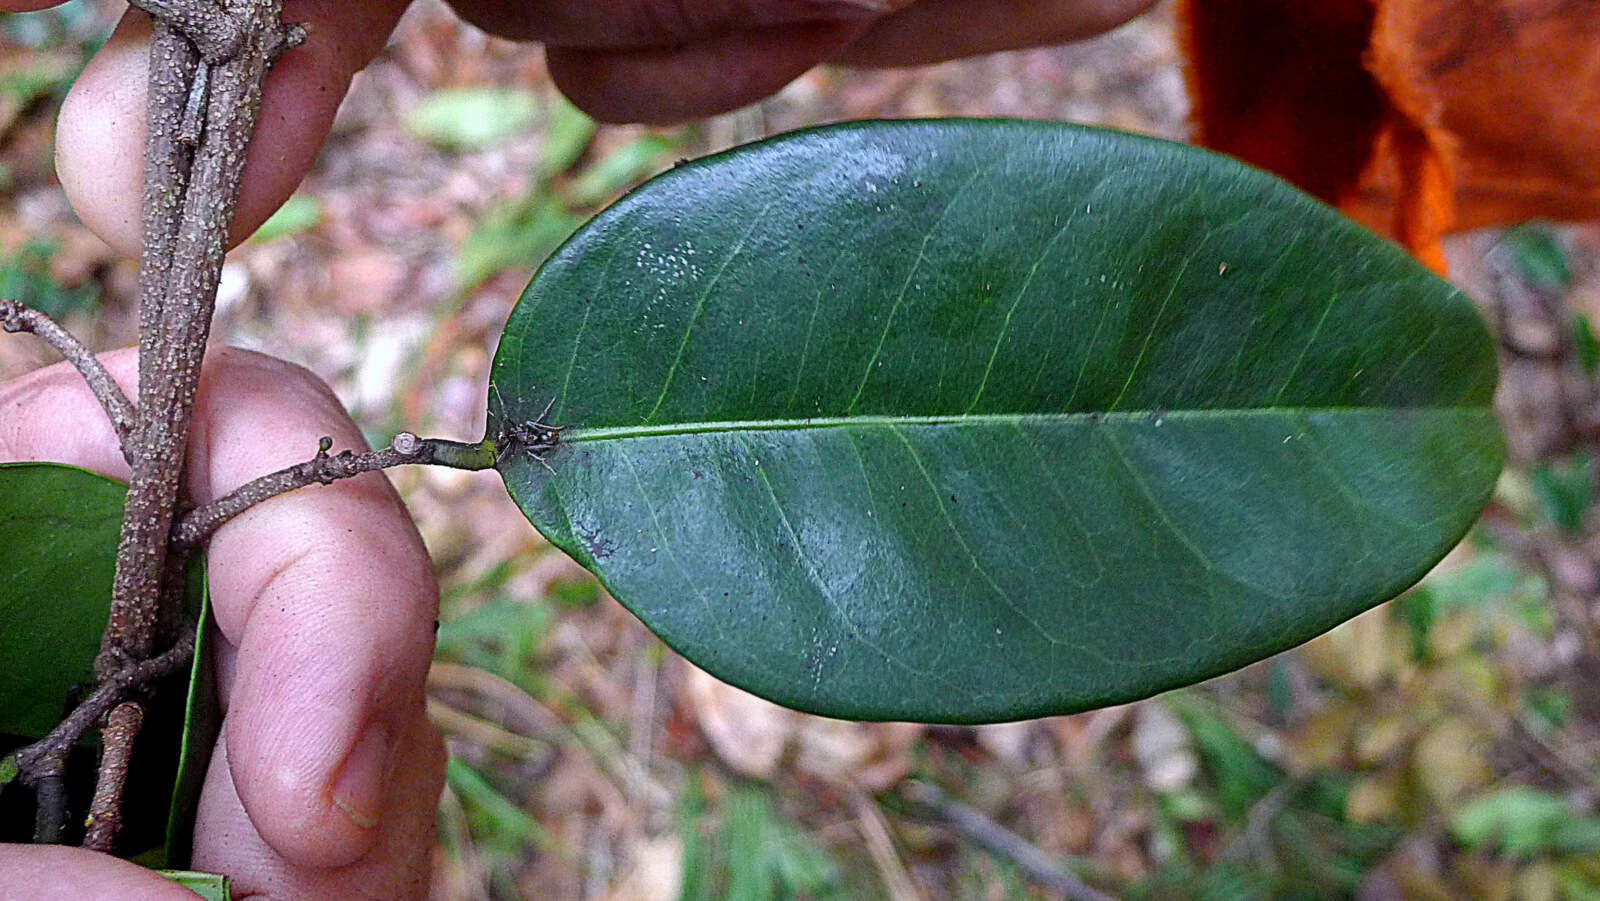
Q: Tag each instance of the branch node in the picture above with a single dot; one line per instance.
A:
(48, 755)
(15, 317)
(212, 30)
(290, 36)
(536, 436)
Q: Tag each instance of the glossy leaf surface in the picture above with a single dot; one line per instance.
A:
(975, 420)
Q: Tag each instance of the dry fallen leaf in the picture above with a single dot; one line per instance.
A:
(1418, 117)
(755, 736)
(656, 873)
(748, 733)
(1164, 749)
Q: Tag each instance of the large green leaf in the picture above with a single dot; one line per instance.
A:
(973, 420)
(58, 543)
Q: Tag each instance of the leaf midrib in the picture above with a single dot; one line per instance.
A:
(609, 433)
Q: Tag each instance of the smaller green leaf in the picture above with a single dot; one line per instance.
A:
(472, 118)
(1525, 821)
(1550, 706)
(210, 886)
(1576, 836)
(51, 28)
(500, 636)
(202, 720)
(58, 539)
(620, 169)
(766, 857)
(506, 820)
(566, 137)
(1242, 775)
(1419, 608)
(59, 528)
(1280, 689)
(8, 769)
(25, 277)
(1488, 577)
(1585, 343)
(1577, 885)
(298, 213)
(512, 237)
(36, 79)
(695, 883)
(1564, 490)
(749, 852)
(1538, 255)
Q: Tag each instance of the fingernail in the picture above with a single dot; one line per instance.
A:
(358, 790)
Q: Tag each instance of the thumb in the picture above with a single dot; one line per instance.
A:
(54, 873)
(100, 136)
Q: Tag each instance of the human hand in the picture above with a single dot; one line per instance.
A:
(621, 60)
(327, 772)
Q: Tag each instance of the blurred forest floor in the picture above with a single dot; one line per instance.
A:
(1445, 745)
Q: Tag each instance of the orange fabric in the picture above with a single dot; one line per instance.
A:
(1418, 117)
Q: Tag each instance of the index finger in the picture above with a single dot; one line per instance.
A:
(100, 136)
(920, 33)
